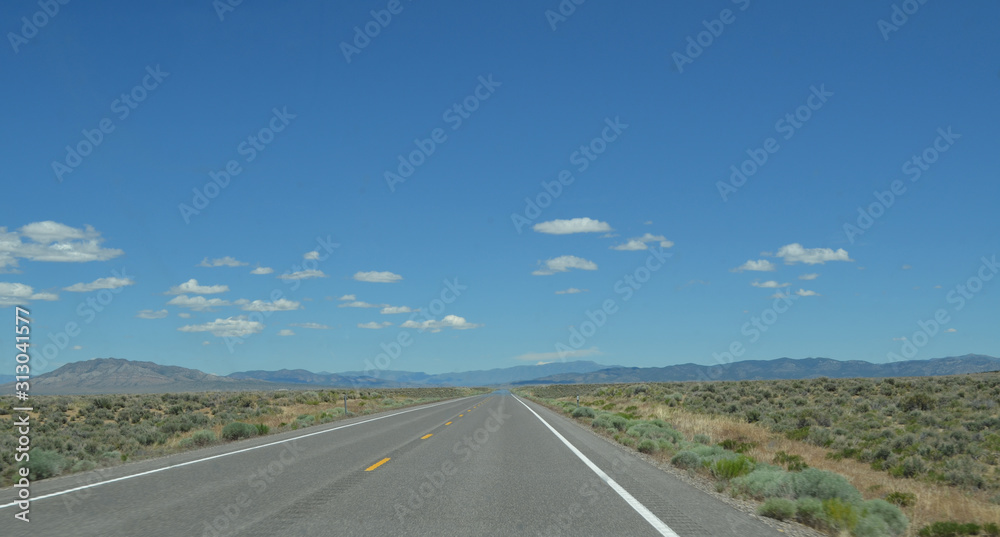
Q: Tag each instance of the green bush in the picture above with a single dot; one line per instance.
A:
(728, 469)
(654, 431)
(238, 430)
(647, 445)
(794, 463)
(902, 499)
(203, 438)
(991, 529)
(809, 511)
(777, 508)
(765, 482)
(895, 520)
(262, 428)
(43, 463)
(702, 439)
(584, 412)
(840, 515)
(686, 459)
(871, 526)
(824, 485)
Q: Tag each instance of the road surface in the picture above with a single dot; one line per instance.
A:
(492, 465)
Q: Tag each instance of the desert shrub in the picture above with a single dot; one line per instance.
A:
(654, 431)
(584, 412)
(647, 445)
(83, 466)
(702, 439)
(765, 482)
(728, 469)
(902, 499)
(824, 485)
(686, 459)
(203, 438)
(871, 526)
(894, 519)
(809, 511)
(794, 463)
(991, 530)
(43, 463)
(840, 515)
(238, 430)
(737, 446)
(777, 508)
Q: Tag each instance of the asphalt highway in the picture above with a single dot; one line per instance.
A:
(493, 465)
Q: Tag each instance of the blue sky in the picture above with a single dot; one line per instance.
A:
(634, 128)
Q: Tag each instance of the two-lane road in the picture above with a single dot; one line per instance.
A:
(485, 465)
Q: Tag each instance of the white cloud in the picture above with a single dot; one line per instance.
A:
(229, 327)
(19, 294)
(302, 275)
(641, 243)
(348, 297)
(285, 332)
(795, 253)
(204, 343)
(571, 291)
(53, 242)
(377, 277)
(547, 357)
(360, 304)
(574, 225)
(282, 304)
(100, 283)
(449, 321)
(191, 286)
(563, 264)
(220, 262)
(184, 315)
(374, 326)
(262, 270)
(390, 310)
(311, 255)
(770, 284)
(760, 265)
(313, 326)
(151, 314)
(906, 267)
(77, 347)
(951, 330)
(197, 303)
(812, 276)
(803, 292)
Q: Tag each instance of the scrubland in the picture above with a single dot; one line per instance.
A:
(894, 456)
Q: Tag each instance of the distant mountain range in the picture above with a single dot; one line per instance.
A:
(782, 368)
(115, 375)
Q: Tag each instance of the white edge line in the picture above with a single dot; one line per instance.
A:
(226, 454)
(634, 503)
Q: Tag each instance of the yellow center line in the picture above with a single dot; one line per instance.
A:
(426, 436)
(377, 464)
(460, 415)
(449, 423)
